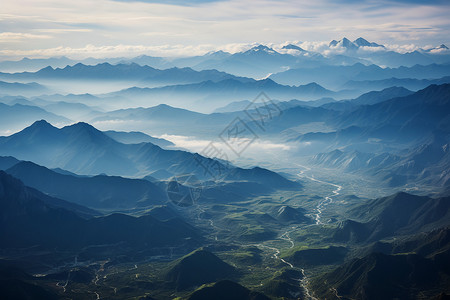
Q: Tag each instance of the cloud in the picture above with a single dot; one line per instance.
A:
(173, 2)
(186, 142)
(113, 50)
(64, 30)
(18, 36)
(51, 26)
(402, 48)
(255, 149)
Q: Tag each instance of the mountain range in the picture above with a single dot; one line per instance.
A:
(209, 95)
(82, 149)
(407, 268)
(320, 174)
(338, 76)
(17, 116)
(98, 192)
(396, 215)
(124, 72)
(28, 219)
(24, 89)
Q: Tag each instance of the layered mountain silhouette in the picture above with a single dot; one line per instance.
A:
(100, 192)
(212, 94)
(28, 219)
(126, 72)
(17, 116)
(408, 83)
(413, 116)
(336, 77)
(369, 98)
(257, 61)
(422, 164)
(82, 149)
(404, 267)
(163, 114)
(379, 276)
(118, 212)
(137, 138)
(24, 89)
(399, 214)
(417, 124)
(7, 162)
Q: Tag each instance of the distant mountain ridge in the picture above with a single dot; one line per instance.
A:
(82, 149)
(101, 192)
(136, 138)
(359, 42)
(399, 214)
(408, 83)
(407, 268)
(23, 89)
(27, 221)
(17, 116)
(369, 98)
(125, 72)
(337, 77)
(212, 94)
(379, 276)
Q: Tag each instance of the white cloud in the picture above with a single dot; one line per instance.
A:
(138, 27)
(255, 148)
(64, 30)
(19, 36)
(440, 51)
(402, 48)
(188, 142)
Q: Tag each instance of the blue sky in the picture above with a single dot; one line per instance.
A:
(118, 27)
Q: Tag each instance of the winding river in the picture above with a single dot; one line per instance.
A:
(326, 200)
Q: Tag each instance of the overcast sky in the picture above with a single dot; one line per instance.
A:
(108, 28)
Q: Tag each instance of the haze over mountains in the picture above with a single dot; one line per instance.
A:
(274, 172)
(345, 51)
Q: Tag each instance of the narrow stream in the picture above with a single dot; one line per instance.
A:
(326, 200)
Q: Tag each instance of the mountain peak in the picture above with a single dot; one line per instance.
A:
(348, 44)
(46, 69)
(41, 124)
(293, 47)
(333, 43)
(197, 268)
(345, 42)
(219, 53)
(261, 49)
(77, 65)
(165, 108)
(361, 42)
(83, 125)
(85, 129)
(267, 82)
